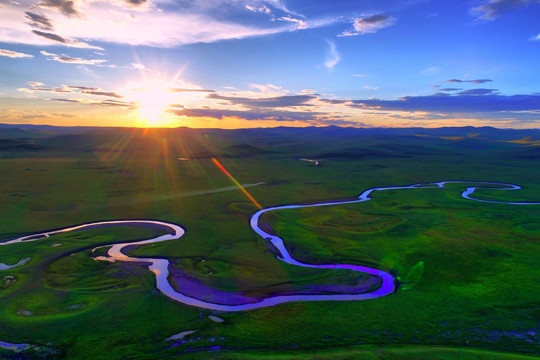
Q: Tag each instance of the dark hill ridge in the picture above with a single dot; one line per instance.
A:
(280, 142)
(337, 131)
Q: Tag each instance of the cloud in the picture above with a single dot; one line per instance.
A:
(492, 9)
(266, 102)
(65, 41)
(105, 103)
(332, 56)
(278, 4)
(477, 92)
(300, 24)
(369, 24)
(72, 60)
(178, 90)
(37, 86)
(14, 54)
(275, 115)
(66, 7)
(137, 3)
(50, 36)
(73, 89)
(102, 93)
(115, 103)
(370, 87)
(77, 87)
(430, 71)
(268, 88)
(67, 100)
(43, 89)
(39, 21)
(263, 9)
(465, 103)
(134, 22)
(535, 38)
(479, 81)
(138, 66)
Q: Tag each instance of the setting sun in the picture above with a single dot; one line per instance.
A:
(152, 98)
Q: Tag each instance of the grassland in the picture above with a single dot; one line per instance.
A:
(478, 288)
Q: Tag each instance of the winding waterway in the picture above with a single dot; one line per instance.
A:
(160, 267)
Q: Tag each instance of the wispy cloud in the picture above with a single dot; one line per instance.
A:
(14, 54)
(181, 90)
(275, 115)
(478, 81)
(102, 93)
(262, 9)
(432, 70)
(105, 103)
(267, 88)
(70, 89)
(492, 9)
(266, 102)
(79, 23)
(300, 24)
(72, 60)
(535, 38)
(65, 41)
(66, 7)
(332, 56)
(369, 24)
(77, 94)
(477, 101)
(39, 21)
(74, 87)
(477, 92)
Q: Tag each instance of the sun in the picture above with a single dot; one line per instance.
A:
(152, 99)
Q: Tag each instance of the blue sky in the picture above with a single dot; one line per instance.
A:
(256, 63)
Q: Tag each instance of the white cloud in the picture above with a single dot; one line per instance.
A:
(535, 38)
(138, 66)
(432, 70)
(268, 88)
(14, 54)
(369, 24)
(301, 24)
(332, 56)
(263, 9)
(84, 22)
(278, 4)
(370, 87)
(72, 60)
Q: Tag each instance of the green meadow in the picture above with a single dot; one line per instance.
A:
(467, 271)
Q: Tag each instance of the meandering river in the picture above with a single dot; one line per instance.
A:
(160, 267)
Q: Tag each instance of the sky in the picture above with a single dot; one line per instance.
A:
(266, 63)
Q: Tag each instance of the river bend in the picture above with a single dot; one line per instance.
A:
(160, 267)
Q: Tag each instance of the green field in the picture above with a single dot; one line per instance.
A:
(468, 271)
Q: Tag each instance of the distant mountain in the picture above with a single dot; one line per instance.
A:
(51, 128)
(280, 142)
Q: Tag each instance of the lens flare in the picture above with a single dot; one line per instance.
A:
(218, 164)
